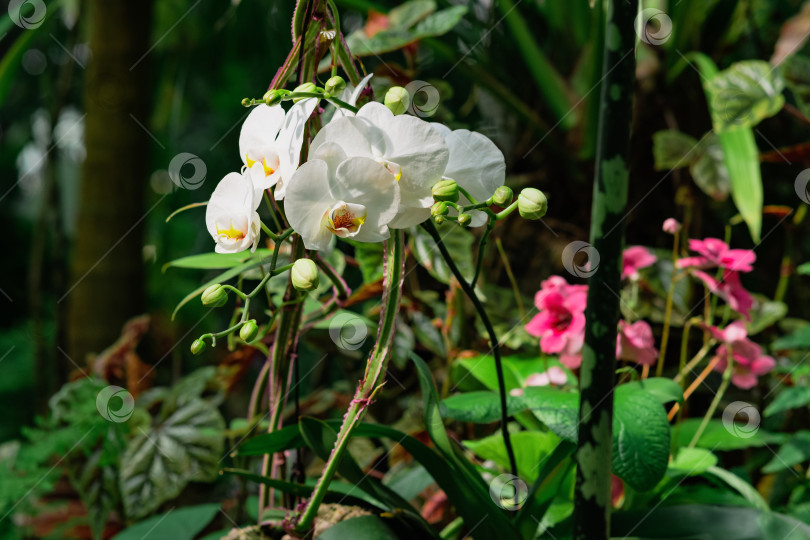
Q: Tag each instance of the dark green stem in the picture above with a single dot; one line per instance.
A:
(493, 337)
(592, 501)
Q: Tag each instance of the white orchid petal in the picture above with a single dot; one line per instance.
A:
(409, 217)
(309, 196)
(475, 163)
(291, 137)
(355, 95)
(260, 128)
(233, 207)
(364, 181)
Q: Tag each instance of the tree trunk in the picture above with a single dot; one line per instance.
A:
(106, 286)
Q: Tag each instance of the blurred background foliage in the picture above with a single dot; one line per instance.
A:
(526, 74)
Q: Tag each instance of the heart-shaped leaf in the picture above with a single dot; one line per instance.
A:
(745, 94)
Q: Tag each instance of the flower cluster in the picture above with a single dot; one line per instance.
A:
(748, 362)
(366, 173)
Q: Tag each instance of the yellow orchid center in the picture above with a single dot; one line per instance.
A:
(345, 219)
(231, 232)
(270, 165)
(393, 168)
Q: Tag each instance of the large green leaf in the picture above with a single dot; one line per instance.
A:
(673, 149)
(745, 94)
(691, 462)
(217, 261)
(479, 407)
(664, 389)
(186, 445)
(709, 171)
(640, 438)
(798, 339)
(530, 448)
(740, 151)
(793, 452)
(180, 524)
(705, 521)
(742, 487)
(717, 437)
(792, 397)
(359, 528)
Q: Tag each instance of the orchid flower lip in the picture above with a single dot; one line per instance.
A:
(345, 219)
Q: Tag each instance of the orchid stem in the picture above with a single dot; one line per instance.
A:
(493, 338)
(716, 401)
(668, 313)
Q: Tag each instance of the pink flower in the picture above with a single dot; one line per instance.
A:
(671, 226)
(714, 252)
(635, 343)
(729, 289)
(748, 361)
(553, 375)
(560, 323)
(635, 258)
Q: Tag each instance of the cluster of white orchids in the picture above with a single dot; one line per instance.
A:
(369, 170)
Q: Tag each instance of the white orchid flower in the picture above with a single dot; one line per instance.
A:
(335, 195)
(414, 154)
(476, 164)
(231, 216)
(273, 139)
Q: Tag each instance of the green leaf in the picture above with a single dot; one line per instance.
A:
(798, 339)
(709, 170)
(691, 462)
(640, 438)
(695, 521)
(663, 389)
(483, 369)
(557, 409)
(796, 71)
(717, 437)
(765, 313)
(530, 448)
(217, 261)
(803, 269)
(791, 397)
(158, 463)
(408, 14)
(180, 524)
(740, 152)
(479, 407)
(359, 528)
(794, 451)
(745, 94)
(673, 149)
(459, 243)
(741, 486)
(286, 438)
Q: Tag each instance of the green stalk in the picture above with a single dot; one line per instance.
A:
(597, 372)
(371, 383)
(668, 313)
(493, 337)
(716, 401)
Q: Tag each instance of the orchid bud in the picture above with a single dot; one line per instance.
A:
(397, 100)
(214, 296)
(439, 209)
(249, 331)
(246, 102)
(335, 85)
(532, 203)
(197, 346)
(464, 219)
(438, 220)
(272, 97)
(502, 196)
(308, 87)
(304, 275)
(446, 190)
(671, 226)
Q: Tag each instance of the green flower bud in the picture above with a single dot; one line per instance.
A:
(397, 100)
(272, 97)
(306, 87)
(214, 296)
(446, 190)
(438, 220)
(532, 203)
(197, 346)
(464, 219)
(304, 275)
(502, 196)
(246, 102)
(335, 86)
(249, 331)
(439, 209)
